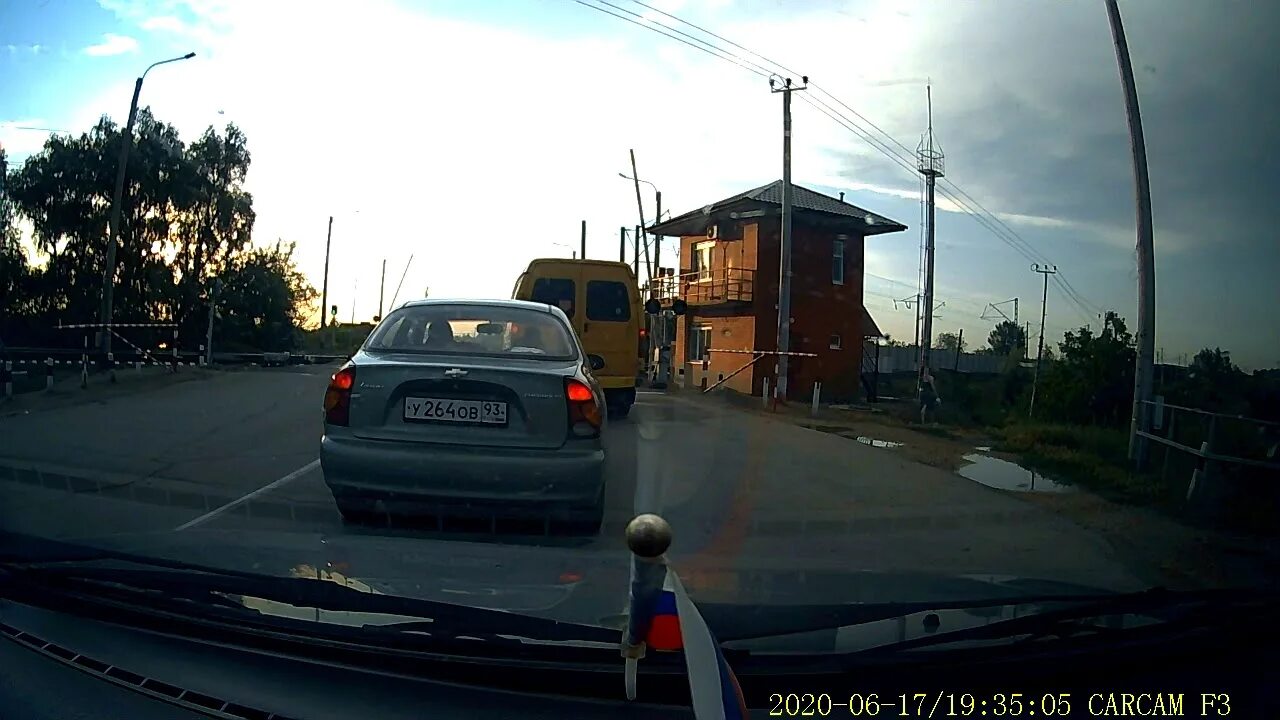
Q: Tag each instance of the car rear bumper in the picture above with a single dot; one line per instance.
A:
(432, 478)
(616, 382)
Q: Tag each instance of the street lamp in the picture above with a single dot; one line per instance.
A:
(126, 142)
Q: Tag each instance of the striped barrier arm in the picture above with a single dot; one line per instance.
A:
(108, 326)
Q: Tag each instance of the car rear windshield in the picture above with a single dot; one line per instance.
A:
(474, 330)
(608, 300)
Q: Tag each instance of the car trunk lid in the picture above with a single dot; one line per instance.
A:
(532, 390)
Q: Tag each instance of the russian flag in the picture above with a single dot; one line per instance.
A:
(676, 624)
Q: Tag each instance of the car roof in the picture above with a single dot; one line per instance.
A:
(498, 302)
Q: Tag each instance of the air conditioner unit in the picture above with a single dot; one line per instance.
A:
(713, 232)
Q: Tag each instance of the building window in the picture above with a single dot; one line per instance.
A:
(699, 344)
(835, 342)
(837, 262)
(702, 259)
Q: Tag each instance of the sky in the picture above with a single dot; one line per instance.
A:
(474, 137)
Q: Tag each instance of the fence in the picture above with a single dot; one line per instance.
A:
(1228, 452)
(907, 359)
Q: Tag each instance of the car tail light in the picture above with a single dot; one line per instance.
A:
(584, 412)
(337, 399)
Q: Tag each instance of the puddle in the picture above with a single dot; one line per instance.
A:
(877, 443)
(1004, 475)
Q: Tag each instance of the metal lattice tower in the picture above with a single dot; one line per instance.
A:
(931, 163)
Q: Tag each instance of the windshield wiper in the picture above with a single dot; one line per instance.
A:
(191, 584)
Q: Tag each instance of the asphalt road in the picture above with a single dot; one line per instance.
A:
(222, 462)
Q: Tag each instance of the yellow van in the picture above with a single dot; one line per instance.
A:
(602, 300)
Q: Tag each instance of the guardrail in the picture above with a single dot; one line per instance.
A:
(1220, 444)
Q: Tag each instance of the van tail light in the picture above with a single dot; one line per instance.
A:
(337, 399)
(584, 411)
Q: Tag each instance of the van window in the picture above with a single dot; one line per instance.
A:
(608, 300)
(556, 291)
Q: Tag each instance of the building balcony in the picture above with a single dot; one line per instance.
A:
(706, 287)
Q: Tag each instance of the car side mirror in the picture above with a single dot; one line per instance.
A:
(596, 362)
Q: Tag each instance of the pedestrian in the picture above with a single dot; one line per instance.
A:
(929, 398)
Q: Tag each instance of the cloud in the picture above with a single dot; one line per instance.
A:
(167, 23)
(112, 44)
(512, 151)
(23, 137)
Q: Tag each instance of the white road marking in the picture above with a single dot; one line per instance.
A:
(238, 501)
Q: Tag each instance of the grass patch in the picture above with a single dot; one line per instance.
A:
(935, 430)
(1093, 457)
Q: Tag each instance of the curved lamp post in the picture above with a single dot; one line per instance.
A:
(126, 142)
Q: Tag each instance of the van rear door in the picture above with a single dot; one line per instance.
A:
(557, 285)
(610, 328)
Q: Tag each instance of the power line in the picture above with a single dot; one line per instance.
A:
(699, 28)
(759, 68)
(673, 37)
(952, 192)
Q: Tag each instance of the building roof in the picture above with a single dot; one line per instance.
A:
(869, 327)
(804, 200)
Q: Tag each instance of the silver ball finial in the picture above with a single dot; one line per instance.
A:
(648, 535)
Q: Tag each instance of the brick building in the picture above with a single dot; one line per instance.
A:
(729, 278)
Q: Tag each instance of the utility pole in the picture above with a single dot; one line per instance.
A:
(355, 287)
(208, 341)
(635, 266)
(918, 312)
(324, 291)
(622, 244)
(930, 163)
(657, 239)
(382, 287)
(1046, 271)
(642, 234)
(784, 253)
(1146, 340)
(583, 243)
(401, 283)
(959, 349)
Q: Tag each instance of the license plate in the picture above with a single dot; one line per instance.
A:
(483, 412)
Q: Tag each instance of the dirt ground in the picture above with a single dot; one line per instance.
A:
(1165, 550)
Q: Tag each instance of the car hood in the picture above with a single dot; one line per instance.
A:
(568, 582)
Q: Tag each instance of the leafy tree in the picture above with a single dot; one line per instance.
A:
(263, 299)
(1092, 382)
(1212, 382)
(14, 270)
(950, 342)
(186, 219)
(1007, 338)
(890, 342)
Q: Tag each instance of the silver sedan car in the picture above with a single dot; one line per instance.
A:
(468, 407)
